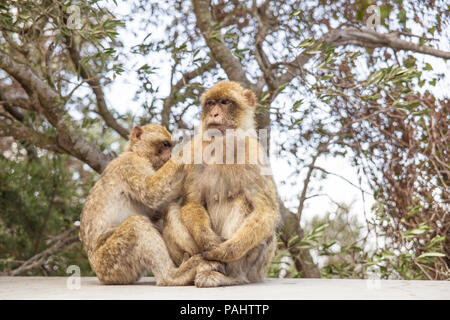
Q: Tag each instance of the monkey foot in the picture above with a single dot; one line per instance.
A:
(209, 279)
(207, 266)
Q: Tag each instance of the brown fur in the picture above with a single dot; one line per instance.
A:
(226, 201)
(117, 231)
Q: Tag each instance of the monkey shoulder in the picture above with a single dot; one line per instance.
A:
(130, 161)
(111, 196)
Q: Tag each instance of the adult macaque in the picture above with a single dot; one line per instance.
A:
(119, 220)
(235, 202)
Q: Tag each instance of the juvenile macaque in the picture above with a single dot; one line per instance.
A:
(230, 211)
(119, 227)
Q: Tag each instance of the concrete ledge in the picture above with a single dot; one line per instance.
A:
(273, 289)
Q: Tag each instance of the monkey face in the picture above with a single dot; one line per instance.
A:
(157, 150)
(228, 106)
(163, 150)
(220, 113)
(153, 142)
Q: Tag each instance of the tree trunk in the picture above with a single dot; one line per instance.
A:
(290, 227)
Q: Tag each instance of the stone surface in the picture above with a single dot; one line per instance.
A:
(296, 289)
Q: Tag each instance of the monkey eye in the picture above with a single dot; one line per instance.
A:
(225, 101)
(167, 144)
(210, 103)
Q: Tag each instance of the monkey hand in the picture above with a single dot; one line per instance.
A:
(186, 257)
(213, 241)
(210, 240)
(224, 252)
(208, 266)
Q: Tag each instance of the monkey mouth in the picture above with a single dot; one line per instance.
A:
(214, 122)
(216, 125)
(221, 125)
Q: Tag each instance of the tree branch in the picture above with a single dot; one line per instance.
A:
(343, 178)
(311, 168)
(260, 56)
(96, 87)
(40, 258)
(372, 39)
(230, 64)
(10, 127)
(362, 38)
(50, 104)
(185, 79)
(291, 228)
(20, 102)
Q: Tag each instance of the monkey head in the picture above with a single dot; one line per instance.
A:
(152, 142)
(228, 105)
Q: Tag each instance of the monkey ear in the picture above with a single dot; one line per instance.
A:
(250, 97)
(136, 134)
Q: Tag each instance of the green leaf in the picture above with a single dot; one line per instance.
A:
(265, 97)
(293, 240)
(435, 240)
(239, 56)
(413, 212)
(431, 254)
(423, 228)
(413, 104)
(406, 111)
(295, 123)
(327, 77)
(432, 30)
(377, 192)
(373, 97)
(417, 231)
(282, 87)
(295, 13)
(322, 66)
(296, 105)
(402, 17)
(376, 77)
(328, 245)
(306, 43)
(428, 67)
(320, 228)
(313, 52)
(355, 55)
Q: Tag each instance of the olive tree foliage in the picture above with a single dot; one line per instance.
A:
(332, 78)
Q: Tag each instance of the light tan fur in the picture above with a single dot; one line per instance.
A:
(118, 223)
(231, 202)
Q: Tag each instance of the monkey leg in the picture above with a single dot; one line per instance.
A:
(196, 219)
(135, 248)
(180, 242)
(252, 268)
(212, 278)
(260, 258)
(208, 277)
(259, 225)
(176, 236)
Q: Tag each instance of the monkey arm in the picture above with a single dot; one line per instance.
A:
(196, 220)
(156, 189)
(259, 226)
